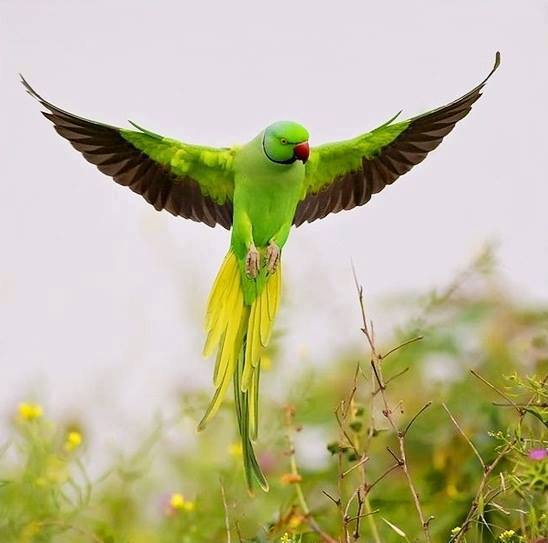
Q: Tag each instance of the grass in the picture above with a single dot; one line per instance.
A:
(441, 438)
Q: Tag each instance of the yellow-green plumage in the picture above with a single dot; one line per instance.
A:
(240, 333)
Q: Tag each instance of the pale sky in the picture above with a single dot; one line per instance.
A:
(102, 297)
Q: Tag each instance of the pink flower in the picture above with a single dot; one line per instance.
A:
(538, 454)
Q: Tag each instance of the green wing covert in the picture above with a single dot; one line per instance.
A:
(189, 181)
(345, 174)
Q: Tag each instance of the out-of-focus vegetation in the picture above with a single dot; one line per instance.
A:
(435, 439)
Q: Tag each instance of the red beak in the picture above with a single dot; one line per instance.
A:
(302, 151)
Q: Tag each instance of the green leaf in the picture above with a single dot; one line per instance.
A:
(399, 531)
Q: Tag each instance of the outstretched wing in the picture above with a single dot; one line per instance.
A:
(187, 180)
(345, 174)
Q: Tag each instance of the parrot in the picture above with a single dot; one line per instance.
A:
(258, 190)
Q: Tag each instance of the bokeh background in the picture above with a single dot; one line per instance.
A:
(101, 297)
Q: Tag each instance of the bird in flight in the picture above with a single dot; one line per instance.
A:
(258, 191)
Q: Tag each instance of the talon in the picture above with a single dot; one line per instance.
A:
(272, 257)
(252, 262)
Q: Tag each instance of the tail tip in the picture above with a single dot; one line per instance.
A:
(201, 426)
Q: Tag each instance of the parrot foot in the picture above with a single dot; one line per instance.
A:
(252, 262)
(272, 257)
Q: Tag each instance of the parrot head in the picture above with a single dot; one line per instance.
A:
(285, 142)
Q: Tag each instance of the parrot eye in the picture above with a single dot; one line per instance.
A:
(283, 141)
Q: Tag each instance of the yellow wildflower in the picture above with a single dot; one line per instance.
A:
(455, 531)
(235, 449)
(507, 536)
(286, 539)
(177, 502)
(74, 439)
(29, 411)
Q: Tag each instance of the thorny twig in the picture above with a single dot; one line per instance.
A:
(466, 438)
(350, 439)
(358, 516)
(345, 411)
(362, 461)
(421, 410)
(383, 475)
(401, 345)
(376, 360)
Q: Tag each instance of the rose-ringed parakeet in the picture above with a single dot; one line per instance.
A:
(258, 190)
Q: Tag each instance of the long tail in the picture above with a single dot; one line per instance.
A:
(240, 329)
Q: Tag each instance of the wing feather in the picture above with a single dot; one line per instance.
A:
(187, 180)
(346, 174)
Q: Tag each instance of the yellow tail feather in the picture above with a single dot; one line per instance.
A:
(215, 402)
(259, 329)
(226, 276)
(240, 333)
(225, 293)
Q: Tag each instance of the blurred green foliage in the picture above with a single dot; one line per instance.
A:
(179, 487)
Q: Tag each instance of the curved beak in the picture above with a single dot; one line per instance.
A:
(302, 151)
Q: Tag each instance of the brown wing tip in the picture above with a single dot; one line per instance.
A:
(29, 89)
(497, 60)
(35, 95)
(493, 70)
(495, 66)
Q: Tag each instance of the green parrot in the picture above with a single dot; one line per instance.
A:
(258, 190)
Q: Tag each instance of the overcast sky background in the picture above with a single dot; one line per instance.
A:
(101, 297)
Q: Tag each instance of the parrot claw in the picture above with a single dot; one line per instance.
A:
(272, 257)
(252, 262)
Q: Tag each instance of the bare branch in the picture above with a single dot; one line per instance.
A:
(401, 345)
(390, 379)
(398, 460)
(337, 502)
(499, 392)
(381, 477)
(466, 438)
(364, 515)
(422, 409)
(376, 359)
(362, 461)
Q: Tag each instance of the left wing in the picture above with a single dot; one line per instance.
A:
(189, 181)
(345, 174)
